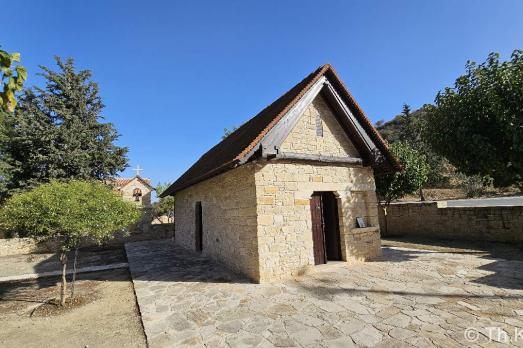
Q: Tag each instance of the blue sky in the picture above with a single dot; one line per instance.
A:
(173, 74)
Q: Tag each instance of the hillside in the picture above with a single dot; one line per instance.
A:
(391, 130)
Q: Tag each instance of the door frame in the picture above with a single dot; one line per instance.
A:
(319, 232)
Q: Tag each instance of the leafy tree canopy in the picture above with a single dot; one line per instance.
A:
(478, 124)
(391, 186)
(409, 127)
(165, 205)
(56, 133)
(12, 77)
(69, 213)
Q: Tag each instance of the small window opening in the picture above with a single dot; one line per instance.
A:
(319, 126)
(137, 194)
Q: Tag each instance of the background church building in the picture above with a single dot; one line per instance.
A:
(135, 189)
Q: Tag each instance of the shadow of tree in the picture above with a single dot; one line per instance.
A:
(506, 265)
(87, 257)
(42, 289)
(506, 274)
(400, 255)
(332, 290)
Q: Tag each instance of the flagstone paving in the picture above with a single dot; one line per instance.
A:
(412, 298)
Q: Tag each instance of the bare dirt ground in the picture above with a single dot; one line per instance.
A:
(106, 317)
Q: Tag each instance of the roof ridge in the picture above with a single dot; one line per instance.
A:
(228, 152)
(317, 73)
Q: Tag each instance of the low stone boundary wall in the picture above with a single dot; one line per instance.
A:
(436, 220)
(16, 246)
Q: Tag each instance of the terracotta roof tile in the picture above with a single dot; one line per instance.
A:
(121, 182)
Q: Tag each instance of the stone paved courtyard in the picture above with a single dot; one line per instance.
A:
(415, 298)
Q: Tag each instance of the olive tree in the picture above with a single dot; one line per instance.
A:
(69, 213)
(478, 124)
(414, 174)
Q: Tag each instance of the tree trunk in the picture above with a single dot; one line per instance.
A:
(63, 260)
(74, 272)
(386, 227)
(421, 196)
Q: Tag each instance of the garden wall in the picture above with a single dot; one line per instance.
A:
(15, 246)
(436, 220)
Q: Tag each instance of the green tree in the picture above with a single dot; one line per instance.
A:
(478, 124)
(391, 186)
(410, 126)
(56, 133)
(12, 82)
(69, 213)
(165, 205)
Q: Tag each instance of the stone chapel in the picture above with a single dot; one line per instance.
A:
(291, 188)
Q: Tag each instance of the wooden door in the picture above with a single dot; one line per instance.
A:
(318, 237)
(198, 233)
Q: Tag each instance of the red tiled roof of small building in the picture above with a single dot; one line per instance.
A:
(121, 182)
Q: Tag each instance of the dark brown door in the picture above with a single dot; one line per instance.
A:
(317, 229)
(331, 226)
(198, 233)
(325, 227)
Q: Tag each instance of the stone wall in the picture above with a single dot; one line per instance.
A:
(16, 246)
(283, 192)
(229, 219)
(436, 220)
(331, 142)
(145, 232)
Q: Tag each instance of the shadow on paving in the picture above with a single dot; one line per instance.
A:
(358, 292)
(162, 260)
(492, 249)
(506, 265)
(505, 276)
(397, 255)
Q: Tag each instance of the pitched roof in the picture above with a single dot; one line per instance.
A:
(227, 153)
(122, 182)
